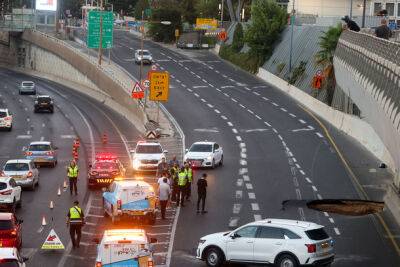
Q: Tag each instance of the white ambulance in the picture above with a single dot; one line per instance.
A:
(125, 247)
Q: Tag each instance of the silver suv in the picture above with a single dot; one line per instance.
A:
(143, 56)
(27, 87)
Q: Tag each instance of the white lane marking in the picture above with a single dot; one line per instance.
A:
(256, 93)
(206, 130)
(238, 138)
(239, 182)
(223, 117)
(302, 216)
(310, 127)
(258, 117)
(234, 130)
(204, 80)
(41, 138)
(249, 110)
(266, 99)
(68, 136)
(249, 186)
(247, 88)
(241, 145)
(239, 194)
(275, 104)
(234, 100)
(210, 106)
(275, 131)
(28, 132)
(230, 123)
(197, 95)
(326, 214)
(302, 172)
(203, 100)
(243, 162)
(252, 195)
(257, 217)
(243, 171)
(314, 188)
(236, 208)
(331, 220)
(290, 154)
(254, 206)
(292, 115)
(295, 181)
(266, 123)
(43, 125)
(23, 136)
(28, 119)
(302, 121)
(298, 166)
(225, 94)
(243, 155)
(217, 111)
(190, 90)
(183, 85)
(300, 130)
(319, 135)
(308, 180)
(246, 178)
(283, 143)
(256, 130)
(280, 137)
(198, 76)
(336, 231)
(298, 194)
(319, 196)
(227, 86)
(219, 90)
(178, 81)
(200, 86)
(242, 106)
(294, 159)
(284, 110)
(233, 222)
(26, 109)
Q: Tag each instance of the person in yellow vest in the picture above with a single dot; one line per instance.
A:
(182, 181)
(174, 170)
(189, 174)
(72, 173)
(75, 221)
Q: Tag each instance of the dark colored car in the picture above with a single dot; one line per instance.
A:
(44, 103)
(10, 231)
(104, 170)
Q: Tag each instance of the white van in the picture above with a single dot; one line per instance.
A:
(125, 247)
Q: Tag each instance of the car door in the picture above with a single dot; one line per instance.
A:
(268, 243)
(16, 188)
(240, 245)
(217, 154)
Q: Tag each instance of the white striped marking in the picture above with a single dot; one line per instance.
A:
(258, 117)
(234, 130)
(246, 178)
(308, 180)
(275, 104)
(256, 93)
(224, 118)
(292, 115)
(336, 231)
(266, 123)
(234, 100)
(331, 220)
(319, 135)
(252, 195)
(302, 121)
(326, 214)
(314, 188)
(257, 217)
(266, 99)
(250, 111)
(249, 186)
(254, 206)
(284, 110)
(238, 138)
(302, 172)
(230, 123)
(24, 136)
(210, 106)
(319, 196)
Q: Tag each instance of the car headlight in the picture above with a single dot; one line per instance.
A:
(136, 164)
(209, 158)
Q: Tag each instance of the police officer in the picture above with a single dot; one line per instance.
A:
(75, 221)
(182, 181)
(72, 173)
(189, 174)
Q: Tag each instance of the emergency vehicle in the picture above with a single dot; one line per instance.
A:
(130, 198)
(104, 170)
(125, 247)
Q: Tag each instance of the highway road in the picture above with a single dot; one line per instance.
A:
(274, 151)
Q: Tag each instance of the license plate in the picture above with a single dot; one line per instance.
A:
(324, 245)
(196, 163)
(17, 176)
(40, 159)
(103, 174)
(43, 104)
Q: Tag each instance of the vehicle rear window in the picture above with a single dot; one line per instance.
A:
(16, 167)
(148, 149)
(9, 263)
(3, 114)
(317, 234)
(3, 186)
(39, 148)
(106, 165)
(44, 99)
(201, 148)
(6, 224)
(28, 84)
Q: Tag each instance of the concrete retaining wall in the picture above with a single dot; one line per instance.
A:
(351, 125)
(62, 58)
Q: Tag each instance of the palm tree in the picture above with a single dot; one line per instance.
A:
(324, 58)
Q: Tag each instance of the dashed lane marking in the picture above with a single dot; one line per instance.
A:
(326, 214)
(234, 100)
(298, 194)
(265, 98)
(252, 195)
(210, 106)
(314, 188)
(68, 136)
(233, 222)
(254, 206)
(238, 138)
(258, 117)
(284, 110)
(275, 104)
(319, 196)
(336, 231)
(24, 136)
(310, 127)
(249, 186)
(223, 117)
(234, 130)
(239, 182)
(257, 217)
(227, 86)
(302, 121)
(200, 86)
(230, 123)
(308, 180)
(236, 208)
(239, 194)
(256, 93)
(319, 135)
(331, 220)
(217, 111)
(246, 178)
(292, 115)
(302, 172)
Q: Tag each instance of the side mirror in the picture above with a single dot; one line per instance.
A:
(187, 150)
(25, 259)
(153, 240)
(96, 240)
(234, 235)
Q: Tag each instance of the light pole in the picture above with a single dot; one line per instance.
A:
(222, 13)
(292, 18)
(364, 10)
(351, 9)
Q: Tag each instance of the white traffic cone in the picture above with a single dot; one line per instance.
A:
(59, 192)
(65, 184)
(51, 205)
(44, 221)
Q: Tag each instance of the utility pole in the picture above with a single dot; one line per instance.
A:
(364, 10)
(101, 32)
(141, 61)
(292, 18)
(351, 9)
(222, 13)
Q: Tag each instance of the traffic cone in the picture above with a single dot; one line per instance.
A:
(51, 206)
(104, 138)
(44, 221)
(65, 184)
(59, 192)
(77, 142)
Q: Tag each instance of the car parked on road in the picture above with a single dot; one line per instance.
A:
(10, 194)
(43, 103)
(10, 230)
(42, 153)
(143, 56)
(270, 241)
(204, 154)
(104, 170)
(23, 171)
(147, 155)
(27, 87)
(6, 119)
(10, 257)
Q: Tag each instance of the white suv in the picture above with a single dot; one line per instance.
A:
(6, 119)
(204, 154)
(147, 155)
(10, 194)
(270, 241)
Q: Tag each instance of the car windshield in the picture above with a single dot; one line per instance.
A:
(44, 99)
(39, 148)
(16, 167)
(201, 148)
(148, 149)
(3, 186)
(105, 165)
(6, 224)
(28, 84)
(9, 263)
(317, 234)
(3, 114)
(145, 53)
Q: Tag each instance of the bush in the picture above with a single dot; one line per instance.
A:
(298, 72)
(246, 61)
(164, 33)
(210, 40)
(238, 38)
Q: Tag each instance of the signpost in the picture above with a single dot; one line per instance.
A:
(159, 85)
(100, 27)
(206, 24)
(137, 92)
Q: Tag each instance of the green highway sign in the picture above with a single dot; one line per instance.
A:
(93, 32)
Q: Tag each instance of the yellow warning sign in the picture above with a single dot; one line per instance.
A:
(52, 241)
(159, 85)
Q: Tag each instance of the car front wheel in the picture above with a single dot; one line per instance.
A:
(214, 257)
(286, 260)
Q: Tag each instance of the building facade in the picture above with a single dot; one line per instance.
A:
(329, 8)
(392, 8)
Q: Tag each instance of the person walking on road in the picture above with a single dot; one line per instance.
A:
(383, 31)
(202, 193)
(72, 173)
(162, 167)
(189, 174)
(182, 181)
(75, 221)
(164, 191)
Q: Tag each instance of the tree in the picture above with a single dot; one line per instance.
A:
(165, 12)
(140, 6)
(267, 22)
(207, 8)
(188, 10)
(238, 42)
(324, 58)
(74, 6)
(124, 7)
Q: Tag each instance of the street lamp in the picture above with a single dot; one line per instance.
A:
(292, 18)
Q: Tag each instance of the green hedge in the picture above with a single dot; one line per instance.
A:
(246, 61)
(210, 40)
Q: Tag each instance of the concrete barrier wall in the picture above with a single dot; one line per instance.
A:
(93, 74)
(368, 70)
(351, 125)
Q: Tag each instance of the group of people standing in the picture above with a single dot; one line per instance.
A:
(175, 184)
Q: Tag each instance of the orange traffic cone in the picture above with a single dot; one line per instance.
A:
(44, 221)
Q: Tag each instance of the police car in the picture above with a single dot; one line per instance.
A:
(130, 198)
(147, 155)
(104, 170)
(125, 247)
